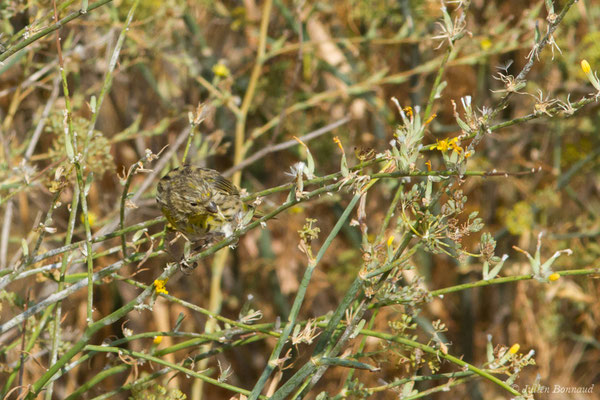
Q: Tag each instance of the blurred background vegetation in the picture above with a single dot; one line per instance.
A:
(354, 56)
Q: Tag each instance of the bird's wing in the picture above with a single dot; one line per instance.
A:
(223, 185)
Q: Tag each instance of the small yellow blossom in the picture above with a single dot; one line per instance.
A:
(339, 143)
(157, 340)
(428, 121)
(453, 143)
(514, 348)
(442, 145)
(408, 110)
(92, 218)
(159, 284)
(390, 240)
(468, 154)
(585, 66)
(485, 44)
(554, 277)
(221, 70)
(428, 163)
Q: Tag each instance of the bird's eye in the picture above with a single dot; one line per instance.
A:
(193, 204)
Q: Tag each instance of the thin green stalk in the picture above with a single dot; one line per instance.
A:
(346, 363)
(326, 336)
(516, 278)
(272, 363)
(436, 83)
(302, 388)
(57, 25)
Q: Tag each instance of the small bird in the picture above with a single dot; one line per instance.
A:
(201, 203)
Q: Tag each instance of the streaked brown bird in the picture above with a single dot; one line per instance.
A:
(200, 202)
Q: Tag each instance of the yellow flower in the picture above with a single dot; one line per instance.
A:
(428, 121)
(92, 218)
(428, 163)
(408, 110)
(514, 348)
(453, 143)
(339, 143)
(159, 284)
(390, 240)
(220, 70)
(554, 277)
(585, 66)
(157, 340)
(442, 145)
(485, 44)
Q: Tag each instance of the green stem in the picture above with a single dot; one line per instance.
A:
(272, 363)
(436, 84)
(516, 278)
(57, 25)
